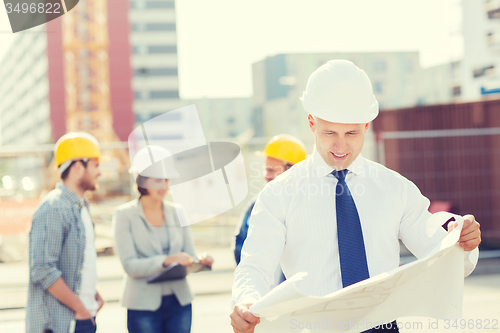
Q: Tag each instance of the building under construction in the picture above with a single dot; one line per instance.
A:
(100, 68)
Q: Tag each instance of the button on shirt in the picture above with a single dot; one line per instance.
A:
(294, 223)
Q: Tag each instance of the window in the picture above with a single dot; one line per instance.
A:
(378, 87)
(456, 91)
(140, 49)
(142, 117)
(160, 94)
(153, 4)
(140, 95)
(162, 49)
(155, 71)
(482, 71)
(153, 27)
(154, 49)
(170, 116)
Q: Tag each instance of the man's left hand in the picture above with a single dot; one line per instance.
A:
(470, 236)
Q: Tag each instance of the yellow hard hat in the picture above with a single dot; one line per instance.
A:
(75, 146)
(286, 148)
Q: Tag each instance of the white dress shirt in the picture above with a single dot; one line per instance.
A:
(294, 224)
(89, 271)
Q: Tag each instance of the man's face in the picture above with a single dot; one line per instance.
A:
(338, 144)
(88, 181)
(274, 168)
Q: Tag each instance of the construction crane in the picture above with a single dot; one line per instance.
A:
(86, 74)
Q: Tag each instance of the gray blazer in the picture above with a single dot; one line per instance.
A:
(141, 254)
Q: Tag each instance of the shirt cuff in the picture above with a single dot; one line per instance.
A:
(470, 261)
(50, 279)
(244, 300)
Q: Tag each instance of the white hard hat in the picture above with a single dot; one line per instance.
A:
(154, 162)
(340, 92)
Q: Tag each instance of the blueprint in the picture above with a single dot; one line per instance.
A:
(429, 287)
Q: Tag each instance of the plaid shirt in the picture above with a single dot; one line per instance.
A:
(57, 245)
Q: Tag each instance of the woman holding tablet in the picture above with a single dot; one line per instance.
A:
(148, 238)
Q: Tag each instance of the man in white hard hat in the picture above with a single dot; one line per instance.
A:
(62, 295)
(337, 216)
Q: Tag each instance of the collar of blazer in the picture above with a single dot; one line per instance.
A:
(169, 212)
(175, 232)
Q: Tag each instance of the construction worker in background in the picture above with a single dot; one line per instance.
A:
(337, 216)
(281, 152)
(62, 294)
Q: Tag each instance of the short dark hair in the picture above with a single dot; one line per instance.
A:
(140, 181)
(65, 174)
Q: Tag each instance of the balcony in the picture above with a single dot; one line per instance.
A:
(491, 85)
(493, 8)
(493, 40)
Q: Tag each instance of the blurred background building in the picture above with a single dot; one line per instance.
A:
(153, 58)
(441, 84)
(224, 117)
(481, 61)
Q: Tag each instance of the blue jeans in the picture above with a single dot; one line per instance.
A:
(171, 317)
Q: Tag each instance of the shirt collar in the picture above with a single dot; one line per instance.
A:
(141, 209)
(322, 169)
(72, 197)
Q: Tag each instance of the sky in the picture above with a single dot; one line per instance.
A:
(218, 40)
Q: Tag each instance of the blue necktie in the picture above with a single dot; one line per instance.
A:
(353, 266)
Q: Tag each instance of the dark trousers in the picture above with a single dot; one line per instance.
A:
(85, 326)
(82, 326)
(171, 317)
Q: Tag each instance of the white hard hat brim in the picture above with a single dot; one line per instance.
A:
(155, 162)
(340, 116)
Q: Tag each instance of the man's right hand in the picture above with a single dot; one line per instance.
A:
(84, 314)
(66, 296)
(242, 320)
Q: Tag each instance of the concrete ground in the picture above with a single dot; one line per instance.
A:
(211, 306)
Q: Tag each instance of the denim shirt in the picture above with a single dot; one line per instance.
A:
(56, 249)
(242, 234)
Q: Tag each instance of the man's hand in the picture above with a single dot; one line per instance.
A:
(100, 301)
(84, 314)
(242, 320)
(66, 296)
(470, 236)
